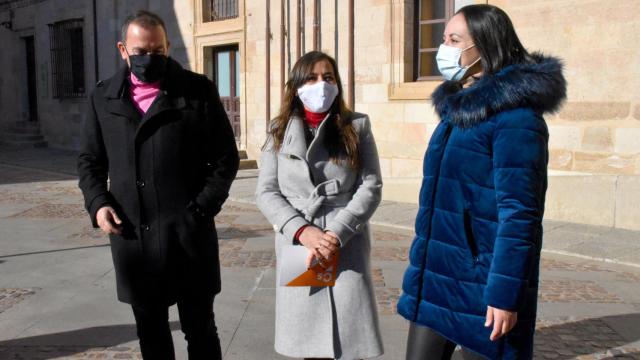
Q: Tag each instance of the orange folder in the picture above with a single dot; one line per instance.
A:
(319, 274)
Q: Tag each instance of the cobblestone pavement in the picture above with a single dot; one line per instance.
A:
(68, 352)
(581, 301)
(10, 297)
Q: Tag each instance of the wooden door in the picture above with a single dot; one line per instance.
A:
(31, 78)
(223, 67)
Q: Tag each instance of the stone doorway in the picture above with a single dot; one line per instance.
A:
(222, 65)
(31, 79)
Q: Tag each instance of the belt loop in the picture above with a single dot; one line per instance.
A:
(314, 207)
(328, 188)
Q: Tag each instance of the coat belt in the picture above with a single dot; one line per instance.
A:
(325, 194)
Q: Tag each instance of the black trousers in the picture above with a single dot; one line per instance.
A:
(426, 344)
(197, 322)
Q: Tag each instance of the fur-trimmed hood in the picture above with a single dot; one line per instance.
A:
(538, 85)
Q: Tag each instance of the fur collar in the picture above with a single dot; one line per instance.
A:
(538, 85)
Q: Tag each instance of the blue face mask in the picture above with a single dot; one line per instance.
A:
(448, 59)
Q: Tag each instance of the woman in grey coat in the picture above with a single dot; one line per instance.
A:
(319, 184)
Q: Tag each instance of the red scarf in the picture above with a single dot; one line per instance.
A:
(314, 119)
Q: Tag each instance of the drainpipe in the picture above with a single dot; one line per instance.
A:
(282, 35)
(315, 25)
(336, 32)
(298, 29)
(352, 82)
(288, 36)
(95, 43)
(302, 29)
(268, 65)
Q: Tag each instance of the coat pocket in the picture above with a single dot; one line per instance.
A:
(468, 234)
(193, 234)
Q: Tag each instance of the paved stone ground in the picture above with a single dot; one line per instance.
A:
(10, 297)
(57, 291)
(578, 240)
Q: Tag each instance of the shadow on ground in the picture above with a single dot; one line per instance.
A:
(71, 343)
(2, 256)
(12, 174)
(561, 342)
(590, 336)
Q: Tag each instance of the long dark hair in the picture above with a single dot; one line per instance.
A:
(341, 139)
(495, 37)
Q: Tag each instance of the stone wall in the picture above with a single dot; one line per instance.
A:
(401, 115)
(598, 129)
(13, 99)
(61, 119)
(593, 140)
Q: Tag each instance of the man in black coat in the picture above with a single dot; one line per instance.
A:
(156, 164)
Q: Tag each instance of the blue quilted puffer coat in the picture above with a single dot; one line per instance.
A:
(479, 225)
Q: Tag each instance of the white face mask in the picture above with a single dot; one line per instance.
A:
(448, 59)
(318, 97)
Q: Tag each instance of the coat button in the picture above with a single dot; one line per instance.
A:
(145, 227)
(140, 183)
(275, 227)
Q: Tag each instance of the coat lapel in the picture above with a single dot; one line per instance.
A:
(318, 141)
(295, 146)
(119, 103)
(295, 142)
(123, 107)
(171, 97)
(163, 103)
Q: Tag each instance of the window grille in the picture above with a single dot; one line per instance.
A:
(67, 59)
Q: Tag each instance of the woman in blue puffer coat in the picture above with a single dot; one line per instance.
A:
(473, 274)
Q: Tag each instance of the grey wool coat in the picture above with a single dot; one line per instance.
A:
(297, 186)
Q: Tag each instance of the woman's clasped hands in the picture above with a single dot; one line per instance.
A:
(322, 245)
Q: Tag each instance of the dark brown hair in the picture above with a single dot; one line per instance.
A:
(143, 18)
(341, 139)
(494, 36)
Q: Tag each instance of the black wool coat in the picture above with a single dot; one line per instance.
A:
(166, 173)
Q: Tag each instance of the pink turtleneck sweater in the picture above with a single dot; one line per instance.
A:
(143, 94)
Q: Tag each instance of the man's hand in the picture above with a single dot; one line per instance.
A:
(503, 321)
(109, 221)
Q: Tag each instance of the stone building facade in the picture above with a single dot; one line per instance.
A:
(60, 37)
(595, 152)
(248, 47)
(26, 24)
